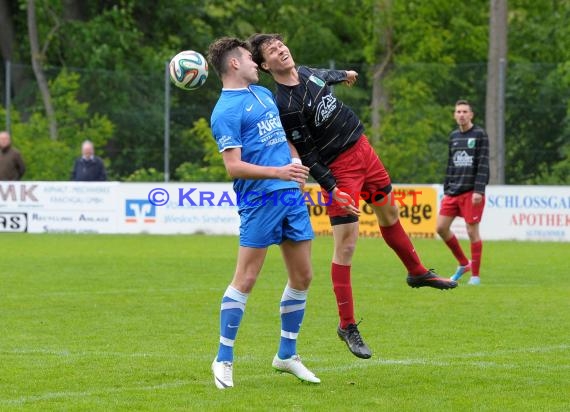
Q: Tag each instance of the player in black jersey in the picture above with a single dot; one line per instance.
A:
(464, 189)
(329, 139)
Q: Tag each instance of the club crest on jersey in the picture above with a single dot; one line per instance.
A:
(316, 80)
(325, 109)
(462, 159)
(471, 142)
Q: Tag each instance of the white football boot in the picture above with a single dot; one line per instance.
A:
(223, 374)
(294, 366)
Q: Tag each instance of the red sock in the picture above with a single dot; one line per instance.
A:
(397, 239)
(340, 275)
(476, 251)
(453, 244)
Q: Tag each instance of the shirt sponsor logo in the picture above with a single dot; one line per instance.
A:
(270, 124)
(462, 159)
(316, 80)
(325, 109)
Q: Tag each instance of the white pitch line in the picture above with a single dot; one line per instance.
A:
(101, 292)
(351, 366)
(427, 362)
(68, 353)
(538, 349)
(453, 360)
(57, 395)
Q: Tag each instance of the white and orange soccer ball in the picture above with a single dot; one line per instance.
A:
(188, 70)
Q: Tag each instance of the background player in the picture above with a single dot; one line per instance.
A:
(464, 189)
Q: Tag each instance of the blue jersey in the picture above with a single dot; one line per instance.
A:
(249, 119)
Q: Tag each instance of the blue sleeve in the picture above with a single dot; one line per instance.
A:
(226, 128)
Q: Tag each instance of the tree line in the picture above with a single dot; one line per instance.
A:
(95, 70)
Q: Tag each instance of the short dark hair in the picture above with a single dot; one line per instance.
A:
(219, 51)
(257, 42)
(464, 102)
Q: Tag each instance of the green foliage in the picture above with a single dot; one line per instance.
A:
(538, 92)
(53, 160)
(557, 174)
(46, 159)
(145, 175)
(190, 172)
(432, 43)
(122, 78)
(211, 168)
(118, 51)
(413, 145)
(105, 41)
(535, 140)
(440, 31)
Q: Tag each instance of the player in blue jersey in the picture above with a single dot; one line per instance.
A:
(245, 123)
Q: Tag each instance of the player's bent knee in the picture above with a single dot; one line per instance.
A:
(387, 215)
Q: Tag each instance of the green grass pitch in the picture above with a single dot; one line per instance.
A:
(131, 323)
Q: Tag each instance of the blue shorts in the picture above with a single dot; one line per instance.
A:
(282, 216)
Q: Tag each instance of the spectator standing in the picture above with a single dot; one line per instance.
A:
(88, 167)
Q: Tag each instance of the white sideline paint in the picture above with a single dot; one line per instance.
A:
(80, 354)
(353, 365)
(66, 395)
(131, 291)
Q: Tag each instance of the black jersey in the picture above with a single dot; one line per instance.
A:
(319, 126)
(468, 162)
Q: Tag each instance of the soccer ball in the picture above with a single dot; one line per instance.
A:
(188, 70)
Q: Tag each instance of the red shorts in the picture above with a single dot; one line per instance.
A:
(462, 205)
(360, 173)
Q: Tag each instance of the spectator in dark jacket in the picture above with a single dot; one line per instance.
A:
(12, 166)
(88, 167)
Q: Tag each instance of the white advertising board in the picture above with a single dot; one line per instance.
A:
(113, 207)
(163, 208)
(86, 207)
(523, 213)
(511, 212)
